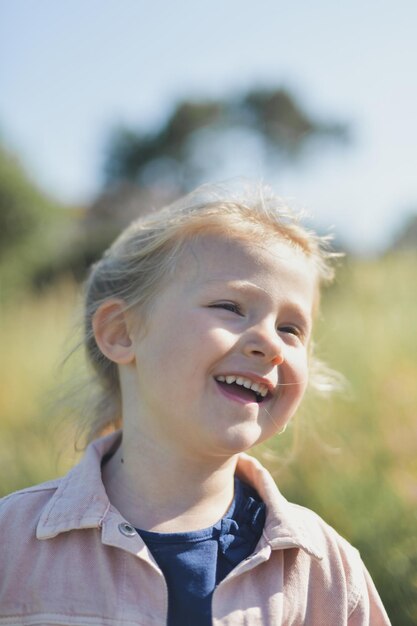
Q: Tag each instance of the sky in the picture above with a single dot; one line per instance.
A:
(71, 70)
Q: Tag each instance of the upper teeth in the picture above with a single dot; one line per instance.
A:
(262, 390)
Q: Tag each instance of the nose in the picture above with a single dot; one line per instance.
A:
(264, 343)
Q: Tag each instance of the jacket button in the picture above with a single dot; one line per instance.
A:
(127, 530)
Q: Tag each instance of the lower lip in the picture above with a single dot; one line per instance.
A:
(234, 397)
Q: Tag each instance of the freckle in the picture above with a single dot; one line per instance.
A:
(122, 460)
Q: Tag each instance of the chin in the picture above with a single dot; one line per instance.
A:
(241, 439)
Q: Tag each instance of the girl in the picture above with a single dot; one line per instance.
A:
(198, 325)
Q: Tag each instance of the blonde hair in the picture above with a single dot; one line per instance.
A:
(141, 259)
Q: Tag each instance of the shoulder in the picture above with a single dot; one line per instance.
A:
(20, 512)
(319, 564)
(330, 545)
(20, 550)
(29, 494)
(340, 564)
(320, 531)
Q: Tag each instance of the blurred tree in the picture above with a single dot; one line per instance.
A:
(33, 227)
(135, 156)
(177, 154)
(144, 170)
(196, 143)
(19, 201)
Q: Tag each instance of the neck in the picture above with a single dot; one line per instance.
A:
(162, 491)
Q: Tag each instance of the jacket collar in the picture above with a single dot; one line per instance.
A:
(287, 525)
(80, 501)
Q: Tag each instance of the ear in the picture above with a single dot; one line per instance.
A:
(111, 332)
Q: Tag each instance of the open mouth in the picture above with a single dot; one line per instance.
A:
(243, 388)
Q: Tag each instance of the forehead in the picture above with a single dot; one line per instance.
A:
(269, 264)
(213, 256)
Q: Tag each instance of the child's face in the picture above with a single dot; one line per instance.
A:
(231, 311)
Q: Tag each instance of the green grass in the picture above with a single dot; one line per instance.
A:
(355, 455)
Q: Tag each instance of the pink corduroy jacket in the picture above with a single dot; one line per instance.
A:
(67, 557)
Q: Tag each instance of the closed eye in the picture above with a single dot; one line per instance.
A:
(291, 330)
(228, 306)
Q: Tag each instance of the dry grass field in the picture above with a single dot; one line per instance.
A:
(354, 457)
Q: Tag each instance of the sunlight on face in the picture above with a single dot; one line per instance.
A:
(223, 362)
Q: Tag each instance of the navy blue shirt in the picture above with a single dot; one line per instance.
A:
(194, 563)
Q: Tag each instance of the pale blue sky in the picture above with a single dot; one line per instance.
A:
(70, 69)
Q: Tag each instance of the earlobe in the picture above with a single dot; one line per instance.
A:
(111, 332)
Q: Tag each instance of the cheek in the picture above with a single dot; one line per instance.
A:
(201, 337)
(296, 360)
(304, 370)
(220, 337)
(303, 379)
(295, 373)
